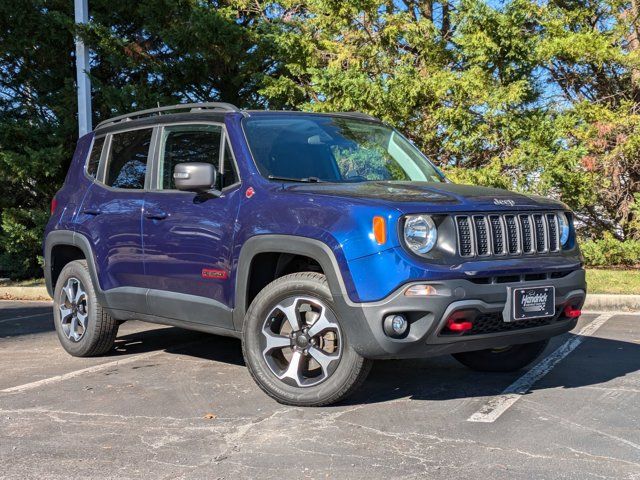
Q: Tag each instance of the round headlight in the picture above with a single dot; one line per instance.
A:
(420, 233)
(564, 228)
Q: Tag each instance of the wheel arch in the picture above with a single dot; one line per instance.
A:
(282, 244)
(63, 246)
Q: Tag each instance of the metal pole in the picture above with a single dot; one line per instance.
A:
(82, 72)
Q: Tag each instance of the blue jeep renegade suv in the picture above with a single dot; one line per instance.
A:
(323, 241)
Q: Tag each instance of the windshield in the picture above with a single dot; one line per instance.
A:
(333, 149)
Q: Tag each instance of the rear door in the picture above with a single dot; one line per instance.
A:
(188, 239)
(111, 213)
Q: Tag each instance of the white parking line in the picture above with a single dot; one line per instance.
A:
(495, 407)
(95, 368)
(25, 317)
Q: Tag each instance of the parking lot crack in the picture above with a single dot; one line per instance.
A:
(235, 438)
(50, 412)
(599, 457)
(534, 406)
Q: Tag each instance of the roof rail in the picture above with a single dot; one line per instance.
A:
(192, 107)
(360, 114)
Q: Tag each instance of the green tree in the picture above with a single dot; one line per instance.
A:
(591, 52)
(541, 97)
(143, 54)
(37, 123)
(457, 78)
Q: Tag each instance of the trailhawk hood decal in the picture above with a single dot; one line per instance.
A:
(408, 195)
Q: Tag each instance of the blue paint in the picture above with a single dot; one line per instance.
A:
(133, 250)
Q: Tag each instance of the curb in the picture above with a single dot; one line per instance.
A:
(611, 303)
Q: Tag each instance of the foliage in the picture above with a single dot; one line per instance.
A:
(22, 240)
(536, 96)
(368, 162)
(539, 97)
(143, 53)
(611, 251)
(37, 123)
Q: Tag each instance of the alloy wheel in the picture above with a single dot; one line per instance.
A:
(301, 341)
(74, 310)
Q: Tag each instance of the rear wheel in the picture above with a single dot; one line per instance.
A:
(83, 326)
(294, 344)
(503, 359)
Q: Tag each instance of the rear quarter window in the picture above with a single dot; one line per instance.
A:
(94, 157)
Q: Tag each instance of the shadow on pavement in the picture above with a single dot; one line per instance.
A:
(25, 320)
(172, 339)
(596, 361)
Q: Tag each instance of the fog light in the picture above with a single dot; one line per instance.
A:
(395, 325)
(420, 291)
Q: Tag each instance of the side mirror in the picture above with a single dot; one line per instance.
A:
(195, 177)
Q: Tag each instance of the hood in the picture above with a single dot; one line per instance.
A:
(410, 197)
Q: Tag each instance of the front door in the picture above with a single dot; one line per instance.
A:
(188, 239)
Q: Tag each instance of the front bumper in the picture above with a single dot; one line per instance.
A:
(428, 317)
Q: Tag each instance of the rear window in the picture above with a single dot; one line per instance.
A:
(127, 163)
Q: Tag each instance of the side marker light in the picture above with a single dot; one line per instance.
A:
(380, 230)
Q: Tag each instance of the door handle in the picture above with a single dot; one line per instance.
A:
(157, 215)
(92, 211)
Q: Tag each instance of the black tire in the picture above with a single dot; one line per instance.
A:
(101, 329)
(351, 369)
(507, 359)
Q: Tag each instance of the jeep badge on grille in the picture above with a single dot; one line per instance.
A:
(503, 201)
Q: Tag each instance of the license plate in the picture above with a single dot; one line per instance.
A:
(535, 302)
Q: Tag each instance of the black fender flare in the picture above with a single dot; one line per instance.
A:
(291, 244)
(73, 239)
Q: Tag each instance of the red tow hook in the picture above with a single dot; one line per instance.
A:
(571, 312)
(458, 326)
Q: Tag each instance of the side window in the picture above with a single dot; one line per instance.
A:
(94, 157)
(229, 175)
(127, 163)
(187, 143)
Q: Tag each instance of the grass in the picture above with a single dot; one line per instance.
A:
(613, 281)
(34, 282)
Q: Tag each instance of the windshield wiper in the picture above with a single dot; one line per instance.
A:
(287, 179)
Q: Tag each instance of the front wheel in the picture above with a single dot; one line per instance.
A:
(294, 344)
(503, 359)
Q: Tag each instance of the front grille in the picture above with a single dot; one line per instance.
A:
(552, 223)
(464, 236)
(541, 237)
(512, 234)
(482, 240)
(525, 277)
(525, 227)
(508, 234)
(497, 234)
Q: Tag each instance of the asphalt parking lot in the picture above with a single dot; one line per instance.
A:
(169, 403)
